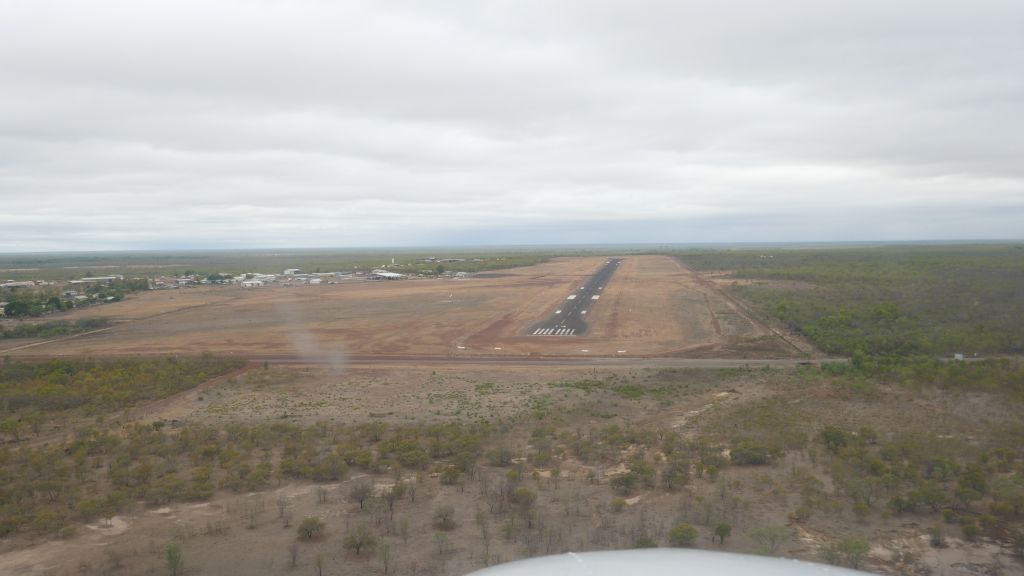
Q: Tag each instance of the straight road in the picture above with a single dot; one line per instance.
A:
(570, 318)
(442, 360)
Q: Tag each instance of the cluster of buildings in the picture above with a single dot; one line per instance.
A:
(290, 277)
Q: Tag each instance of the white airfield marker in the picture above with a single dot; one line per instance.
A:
(571, 297)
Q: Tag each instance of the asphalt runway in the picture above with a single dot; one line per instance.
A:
(570, 318)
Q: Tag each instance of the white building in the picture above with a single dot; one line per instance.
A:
(385, 275)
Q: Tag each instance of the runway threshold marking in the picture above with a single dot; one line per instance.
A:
(553, 332)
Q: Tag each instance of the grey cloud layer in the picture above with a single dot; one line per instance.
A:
(160, 124)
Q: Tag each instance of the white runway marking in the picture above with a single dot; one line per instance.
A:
(557, 330)
(571, 297)
(558, 311)
(622, 351)
(584, 312)
(595, 297)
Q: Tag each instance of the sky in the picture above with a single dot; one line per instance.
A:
(145, 124)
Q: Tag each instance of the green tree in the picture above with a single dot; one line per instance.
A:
(769, 538)
(361, 492)
(175, 560)
(723, 531)
(683, 536)
(358, 539)
(311, 528)
(854, 550)
(834, 438)
(444, 517)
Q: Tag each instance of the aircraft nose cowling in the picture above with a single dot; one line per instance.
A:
(673, 562)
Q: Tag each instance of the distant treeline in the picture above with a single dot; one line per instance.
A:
(205, 263)
(888, 301)
(55, 328)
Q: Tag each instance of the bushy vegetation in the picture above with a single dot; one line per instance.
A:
(980, 489)
(21, 303)
(1005, 376)
(53, 329)
(886, 301)
(29, 391)
(34, 302)
(43, 488)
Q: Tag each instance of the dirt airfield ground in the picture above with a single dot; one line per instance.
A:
(652, 306)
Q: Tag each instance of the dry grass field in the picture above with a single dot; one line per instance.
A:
(652, 306)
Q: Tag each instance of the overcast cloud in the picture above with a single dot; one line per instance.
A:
(143, 124)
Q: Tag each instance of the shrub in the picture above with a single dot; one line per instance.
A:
(683, 536)
(624, 484)
(175, 560)
(769, 538)
(834, 438)
(723, 531)
(971, 532)
(644, 542)
(749, 454)
(853, 550)
(444, 517)
(358, 539)
(450, 475)
(311, 528)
